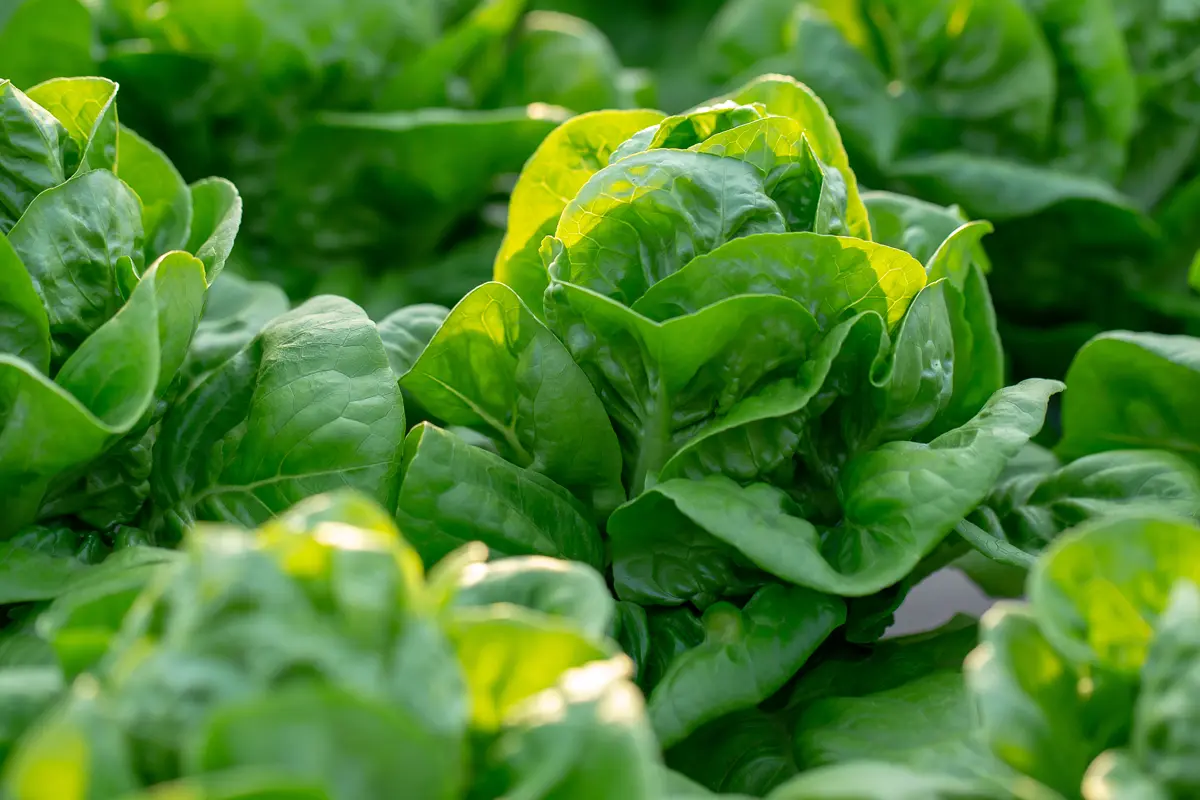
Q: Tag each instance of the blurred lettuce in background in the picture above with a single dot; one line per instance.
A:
(1073, 125)
(658, 35)
(375, 141)
(368, 137)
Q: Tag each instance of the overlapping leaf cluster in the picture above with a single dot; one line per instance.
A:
(1084, 691)
(106, 258)
(135, 396)
(1073, 125)
(1080, 692)
(706, 368)
(1128, 444)
(387, 204)
(713, 377)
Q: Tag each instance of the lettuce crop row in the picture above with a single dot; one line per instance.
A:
(628, 521)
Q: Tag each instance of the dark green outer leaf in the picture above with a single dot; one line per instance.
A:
(672, 632)
(888, 664)
(662, 558)
(453, 493)
(111, 492)
(747, 655)
(235, 311)
(1133, 390)
(631, 630)
(925, 723)
(24, 326)
(1028, 511)
(747, 751)
(943, 480)
(32, 570)
(308, 406)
